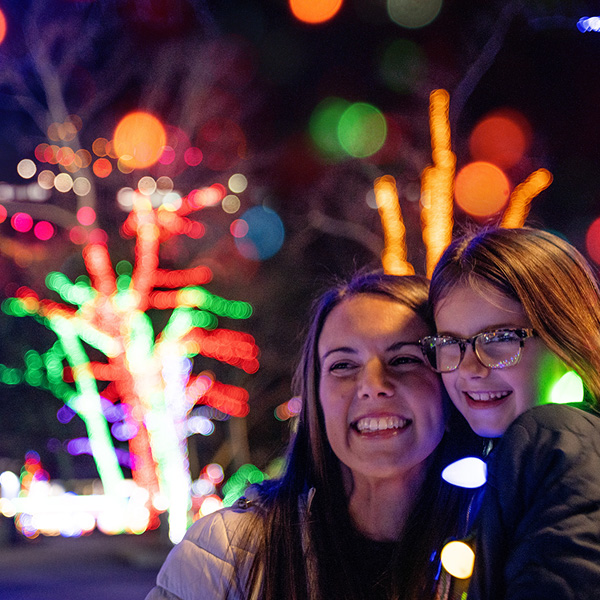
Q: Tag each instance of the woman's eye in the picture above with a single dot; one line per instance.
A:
(341, 366)
(400, 361)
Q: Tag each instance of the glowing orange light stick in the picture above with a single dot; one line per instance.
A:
(437, 182)
(520, 200)
(394, 232)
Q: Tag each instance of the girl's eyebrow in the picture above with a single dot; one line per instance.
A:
(484, 330)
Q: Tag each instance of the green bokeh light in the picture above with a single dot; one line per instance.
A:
(323, 127)
(362, 130)
(569, 388)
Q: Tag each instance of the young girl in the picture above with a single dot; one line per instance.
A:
(515, 309)
(361, 508)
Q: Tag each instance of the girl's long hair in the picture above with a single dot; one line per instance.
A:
(282, 568)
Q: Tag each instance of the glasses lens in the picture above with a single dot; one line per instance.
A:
(498, 349)
(443, 353)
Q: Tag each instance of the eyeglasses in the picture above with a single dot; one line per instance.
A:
(496, 349)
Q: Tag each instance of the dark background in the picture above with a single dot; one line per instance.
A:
(254, 63)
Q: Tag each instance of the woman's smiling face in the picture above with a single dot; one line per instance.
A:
(491, 399)
(383, 406)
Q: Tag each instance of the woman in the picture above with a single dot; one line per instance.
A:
(515, 309)
(361, 507)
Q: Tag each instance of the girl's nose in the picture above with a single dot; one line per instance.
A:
(471, 366)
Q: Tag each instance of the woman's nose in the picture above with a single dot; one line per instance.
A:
(375, 381)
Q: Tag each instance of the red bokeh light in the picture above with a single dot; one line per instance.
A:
(43, 230)
(21, 222)
(86, 215)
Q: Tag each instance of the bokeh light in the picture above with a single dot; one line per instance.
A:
(82, 186)
(501, 138)
(2, 26)
(411, 14)
(193, 156)
(265, 234)
(481, 189)
(568, 389)
(26, 168)
(231, 204)
(3, 214)
(86, 215)
(458, 559)
(141, 136)
(362, 130)
(323, 127)
(315, 11)
(43, 230)
(63, 182)
(21, 222)
(237, 183)
(102, 168)
(592, 241)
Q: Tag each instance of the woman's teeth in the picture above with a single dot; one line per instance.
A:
(380, 424)
(485, 396)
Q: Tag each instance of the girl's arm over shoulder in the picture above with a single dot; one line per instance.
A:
(539, 533)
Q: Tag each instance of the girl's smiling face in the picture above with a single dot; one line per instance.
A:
(491, 399)
(383, 406)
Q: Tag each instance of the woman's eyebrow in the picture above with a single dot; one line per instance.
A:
(346, 349)
(398, 345)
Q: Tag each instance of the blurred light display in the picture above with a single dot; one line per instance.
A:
(362, 130)
(140, 137)
(458, 559)
(43, 230)
(26, 168)
(520, 200)
(413, 15)
(315, 11)
(148, 375)
(394, 257)
(481, 189)
(21, 222)
(323, 127)
(501, 138)
(569, 388)
(2, 26)
(469, 472)
(586, 24)
(264, 236)
(437, 183)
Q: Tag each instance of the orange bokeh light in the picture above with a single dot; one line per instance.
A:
(315, 11)
(102, 168)
(2, 26)
(501, 137)
(481, 189)
(141, 136)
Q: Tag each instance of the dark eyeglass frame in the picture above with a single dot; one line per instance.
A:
(523, 333)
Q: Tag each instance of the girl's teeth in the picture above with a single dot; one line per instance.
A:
(379, 424)
(484, 396)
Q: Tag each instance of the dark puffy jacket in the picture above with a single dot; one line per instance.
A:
(539, 525)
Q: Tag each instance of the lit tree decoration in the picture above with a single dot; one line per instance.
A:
(150, 374)
(437, 191)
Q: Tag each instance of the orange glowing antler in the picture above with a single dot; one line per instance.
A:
(437, 198)
(394, 232)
